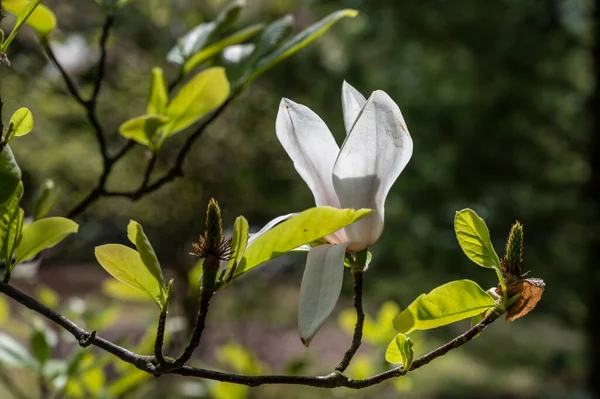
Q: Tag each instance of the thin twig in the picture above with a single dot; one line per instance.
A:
(108, 23)
(333, 380)
(71, 87)
(176, 169)
(360, 320)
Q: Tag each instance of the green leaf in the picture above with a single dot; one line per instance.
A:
(136, 235)
(44, 199)
(9, 224)
(200, 96)
(39, 17)
(273, 35)
(239, 241)
(40, 348)
(474, 239)
(143, 129)
(445, 304)
(400, 351)
(12, 237)
(210, 51)
(22, 122)
(43, 234)
(305, 227)
(197, 38)
(158, 97)
(123, 292)
(10, 174)
(299, 41)
(126, 265)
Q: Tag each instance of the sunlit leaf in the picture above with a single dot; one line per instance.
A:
(299, 41)
(400, 351)
(40, 18)
(43, 234)
(12, 237)
(126, 265)
(376, 332)
(9, 228)
(158, 97)
(239, 241)
(123, 292)
(474, 239)
(143, 129)
(47, 296)
(273, 35)
(200, 96)
(22, 122)
(10, 174)
(303, 228)
(445, 304)
(211, 50)
(136, 235)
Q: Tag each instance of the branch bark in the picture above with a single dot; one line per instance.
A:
(147, 363)
(360, 320)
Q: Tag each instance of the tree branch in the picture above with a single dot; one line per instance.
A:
(360, 320)
(108, 23)
(146, 363)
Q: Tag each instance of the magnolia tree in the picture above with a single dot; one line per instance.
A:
(349, 183)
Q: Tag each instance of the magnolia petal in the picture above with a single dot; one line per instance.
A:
(371, 159)
(312, 148)
(320, 289)
(352, 103)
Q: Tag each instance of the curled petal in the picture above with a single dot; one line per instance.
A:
(371, 159)
(320, 289)
(352, 103)
(312, 148)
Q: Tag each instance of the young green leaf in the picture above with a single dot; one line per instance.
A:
(43, 234)
(320, 288)
(158, 97)
(200, 96)
(116, 289)
(445, 304)
(299, 41)
(197, 38)
(143, 129)
(400, 351)
(12, 237)
(22, 122)
(274, 35)
(136, 235)
(474, 239)
(35, 15)
(239, 241)
(9, 232)
(126, 265)
(40, 348)
(10, 174)
(44, 199)
(305, 227)
(211, 50)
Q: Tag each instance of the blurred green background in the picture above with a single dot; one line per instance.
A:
(498, 97)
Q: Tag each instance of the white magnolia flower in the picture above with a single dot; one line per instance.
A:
(359, 175)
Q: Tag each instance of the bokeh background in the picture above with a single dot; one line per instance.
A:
(500, 99)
